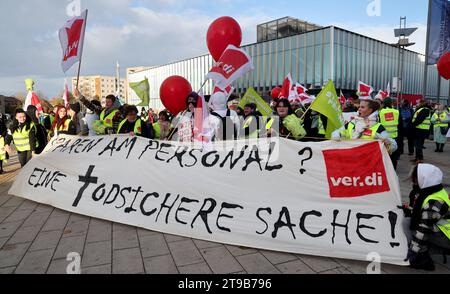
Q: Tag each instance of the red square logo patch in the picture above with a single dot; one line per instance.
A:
(356, 172)
(368, 133)
(389, 116)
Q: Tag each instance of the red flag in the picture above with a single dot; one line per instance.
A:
(364, 91)
(388, 89)
(32, 99)
(66, 95)
(71, 37)
(228, 90)
(233, 64)
(342, 98)
(200, 116)
(382, 95)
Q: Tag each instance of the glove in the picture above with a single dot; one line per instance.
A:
(99, 127)
(420, 261)
(411, 256)
(294, 125)
(407, 210)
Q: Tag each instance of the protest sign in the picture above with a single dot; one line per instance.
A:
(334, 199)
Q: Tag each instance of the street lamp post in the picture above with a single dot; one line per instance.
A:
(402, 33)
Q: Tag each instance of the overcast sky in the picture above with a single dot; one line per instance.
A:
(155, 32)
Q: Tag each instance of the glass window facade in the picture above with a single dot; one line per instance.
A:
(312, 58)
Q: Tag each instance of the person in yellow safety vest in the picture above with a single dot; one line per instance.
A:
(366, 127)
(133, 124)
(322, 126)
(162, 127)
(391, 118)
(250, 126)
(63, 124)
(421, 124)
(3, 153)
(440, 120)
(286, 124)
(430, 219)
(110, 116)
(24, 137)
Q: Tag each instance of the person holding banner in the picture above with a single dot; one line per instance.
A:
(224, 123)
(185, 121)
(24, 137)
(430, 220)
(110, 116)
(366, 127)
(134, 125)
(289, 125)
(250, 128)
(162, 127)
(63, 124)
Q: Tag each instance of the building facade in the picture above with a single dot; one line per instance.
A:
(99, 86)
(313, 57)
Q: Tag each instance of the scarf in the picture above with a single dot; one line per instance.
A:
(362, 124)
(417, 210)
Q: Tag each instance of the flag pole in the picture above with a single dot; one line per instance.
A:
(169, 138)
(81, 56)
(425, 74)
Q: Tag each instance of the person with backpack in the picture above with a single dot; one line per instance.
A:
(224, 124)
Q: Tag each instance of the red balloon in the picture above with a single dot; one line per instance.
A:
(223, 31)
(173, 93)
(444, 66)
(275, 93)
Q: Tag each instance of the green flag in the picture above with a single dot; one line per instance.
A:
(251, 96)
(328, 104)
(142, 90)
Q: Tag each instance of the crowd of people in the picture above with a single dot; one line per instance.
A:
(373, 119)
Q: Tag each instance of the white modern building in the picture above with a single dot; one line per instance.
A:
(313, 55)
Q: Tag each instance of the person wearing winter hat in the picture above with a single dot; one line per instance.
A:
(430, 220)
(366, 126)
(391, 118)
(223, 123)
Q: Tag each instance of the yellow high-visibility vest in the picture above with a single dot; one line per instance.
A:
(137, 126)
(248, 122)
(425, 125)
(442, 117)
(22, 138)
(389, 118)
(443, 225)
(2, 148)
(322, 130)
(108, 120)
(368, 134)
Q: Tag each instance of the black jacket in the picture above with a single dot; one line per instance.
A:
(32, 135)
(146, 132)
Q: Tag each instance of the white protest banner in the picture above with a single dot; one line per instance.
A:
(335, 199)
